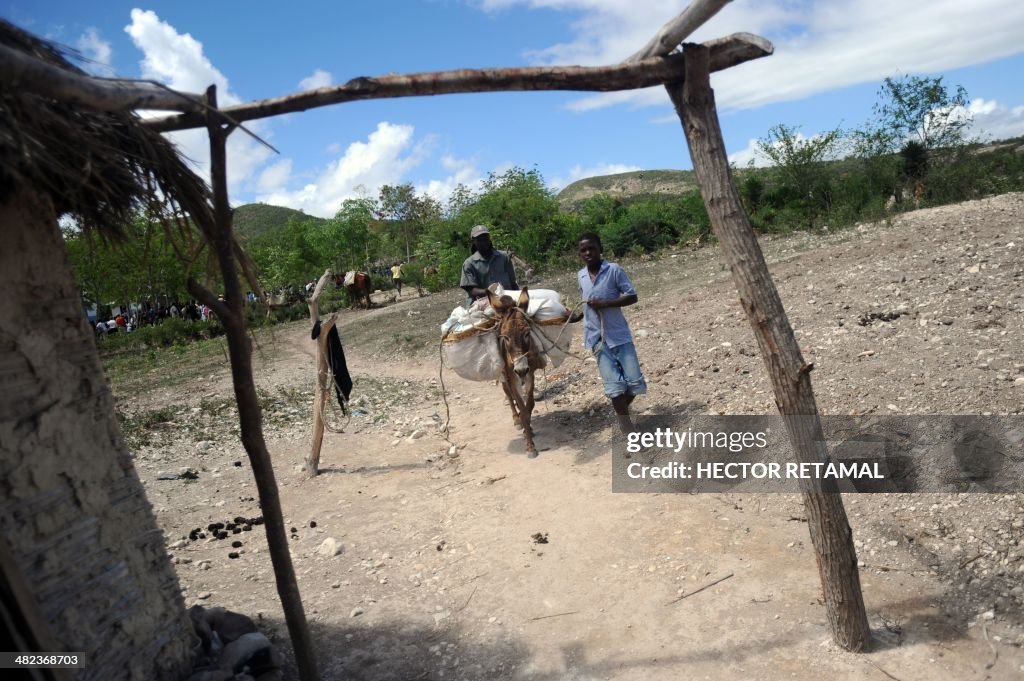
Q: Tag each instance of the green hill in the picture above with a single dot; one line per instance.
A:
(629, 186)
(255, 219)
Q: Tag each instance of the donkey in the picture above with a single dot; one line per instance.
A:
(521, 359)
(358, 291)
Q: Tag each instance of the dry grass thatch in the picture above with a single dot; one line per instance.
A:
(102, 169)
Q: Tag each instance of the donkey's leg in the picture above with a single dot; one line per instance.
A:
(527, 413)
(510, 396)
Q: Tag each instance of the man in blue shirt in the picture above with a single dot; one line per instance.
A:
(606, 290)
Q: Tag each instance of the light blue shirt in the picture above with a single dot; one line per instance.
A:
(611, 282)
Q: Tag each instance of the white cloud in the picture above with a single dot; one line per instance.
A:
(275, 175)
(386, 157)
(743, 157)
(174, 58)
(578, 172)
(178, 60)
(97, 51)
(318, 79)
(819, 46)
(463, 171)
(995, 121)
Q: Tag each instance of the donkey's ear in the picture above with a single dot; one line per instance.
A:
(524, 299)
(494, 300)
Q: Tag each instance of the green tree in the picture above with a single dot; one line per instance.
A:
(919, 125)
(801, 165)
(405, 215)
(922, 110)
(140, 266)
(521, 211)
(289, 256)
(353, 225)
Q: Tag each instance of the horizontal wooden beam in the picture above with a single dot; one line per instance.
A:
(22, 72)
(724, 53)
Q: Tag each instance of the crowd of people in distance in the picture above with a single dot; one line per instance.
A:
(151, 315)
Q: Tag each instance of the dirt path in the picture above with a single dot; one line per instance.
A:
(479, 563)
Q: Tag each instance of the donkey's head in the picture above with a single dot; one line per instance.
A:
(514, 331)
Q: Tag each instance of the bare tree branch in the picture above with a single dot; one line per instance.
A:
(22, 71)
(678, 29)
(724, 53)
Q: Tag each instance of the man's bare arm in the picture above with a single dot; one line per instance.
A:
(621, 301)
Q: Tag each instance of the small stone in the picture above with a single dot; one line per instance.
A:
(204, 446)
(330, 548)
(988, 615)
(356, 612)
(203, 595)
(181, 543)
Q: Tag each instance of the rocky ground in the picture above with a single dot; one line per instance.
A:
(421, 557)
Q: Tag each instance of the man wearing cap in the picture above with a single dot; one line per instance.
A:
(486, 266)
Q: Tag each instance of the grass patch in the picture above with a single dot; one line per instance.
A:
(140, 429)
(135, 371)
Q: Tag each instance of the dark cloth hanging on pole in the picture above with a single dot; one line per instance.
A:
(336, 361)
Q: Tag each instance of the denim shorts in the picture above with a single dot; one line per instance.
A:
(620, 370)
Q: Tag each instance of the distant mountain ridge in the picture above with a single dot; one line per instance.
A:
(629, 186)
(256, 219)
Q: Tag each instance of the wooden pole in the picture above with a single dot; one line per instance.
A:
(830, 532)
(232, 314)
(22, 72)
(321, 388)
(679, 29)
(725, 52)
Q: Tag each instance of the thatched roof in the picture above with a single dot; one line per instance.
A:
(101, 168)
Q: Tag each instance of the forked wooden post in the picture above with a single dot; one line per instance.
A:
(321, 389)
(232, 314)
(790, 375)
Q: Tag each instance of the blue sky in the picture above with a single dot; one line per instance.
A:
(830, 59)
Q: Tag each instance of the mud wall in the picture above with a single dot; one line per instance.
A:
(72, 508)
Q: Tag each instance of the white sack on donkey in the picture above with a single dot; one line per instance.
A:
(470, 341)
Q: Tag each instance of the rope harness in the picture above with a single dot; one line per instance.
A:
(503, 340)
